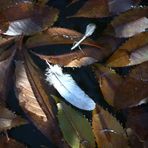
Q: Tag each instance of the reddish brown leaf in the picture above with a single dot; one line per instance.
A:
(108, 131)
(133, 51)
(9, 120)
(137, 120)
(93, 9)
(129, 23)
(109, 82)
(32, 95)
(10, 143)
(76, 58)
(59, 36)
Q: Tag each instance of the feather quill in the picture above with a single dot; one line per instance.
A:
(68, 88)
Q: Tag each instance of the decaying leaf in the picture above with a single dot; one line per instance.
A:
(27, 18)
(133, 51)
(109, 82)
(77, 58)
(35, 101)
(75, 127)
(10, 143)
(58, 36)
(9, 120)
(137, 120)
(108, 131)
(129, 23)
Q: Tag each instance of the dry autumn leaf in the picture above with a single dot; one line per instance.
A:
(55, 36)
(9, 120)
(108, 131)
(34, 91)
(134, 51)
(129, 23)
(27, 19)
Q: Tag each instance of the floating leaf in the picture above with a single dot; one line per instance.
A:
(133, 51)
(129, 23)
(58, 36)
(108, 131)
(75, 127)
(10, 143)
(35, 101)
(9, 120)
(109, 82)
(137, 120)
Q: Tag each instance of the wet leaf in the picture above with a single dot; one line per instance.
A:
(54, 36)
(9, 120)
(133, 51)
(75, 127)
(10, 143)
(137, 120)
(109, 82)
(108, 131)
(28, 18)
(129, 23)
(35, 101)
(76, 58)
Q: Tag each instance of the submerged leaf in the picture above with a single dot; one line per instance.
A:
(10, 143)
(75, 127)
(133, 51)
(108, 131)
(9, 120)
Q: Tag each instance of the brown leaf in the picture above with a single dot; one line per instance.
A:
(109, 82)
(10, 143)
(9, 120)
(58, 36)
(76, 58)
(93, 9)
(6, 70)
(137, 120)
(36, 102)
(131, 92)
(108, 131)
(133, 51)
(129, 23)
(27, 18)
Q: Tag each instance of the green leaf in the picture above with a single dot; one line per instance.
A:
(75, 127)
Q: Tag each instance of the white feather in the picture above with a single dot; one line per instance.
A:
(68, 88)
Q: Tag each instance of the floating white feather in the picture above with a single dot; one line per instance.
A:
(68, 88)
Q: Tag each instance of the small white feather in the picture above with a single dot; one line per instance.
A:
(68, 88)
